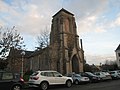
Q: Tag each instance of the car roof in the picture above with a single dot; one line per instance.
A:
(14, 73)
(2, 71)
(47, 71)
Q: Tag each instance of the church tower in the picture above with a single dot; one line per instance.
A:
(65, 53)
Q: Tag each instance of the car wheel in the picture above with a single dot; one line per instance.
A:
(44, 85)
(91, 81)
(101, 79)
(68, 83)
(76, 82)
(16, 87)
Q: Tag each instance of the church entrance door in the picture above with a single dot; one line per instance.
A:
(75, 64)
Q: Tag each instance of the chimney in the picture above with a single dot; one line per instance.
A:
(81, 44)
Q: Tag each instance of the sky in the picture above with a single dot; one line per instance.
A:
(98, 23)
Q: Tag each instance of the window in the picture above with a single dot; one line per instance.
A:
(50, 74)
(16, 75)
(119, 54)
(97, 74)
(7, 76)
(56, 74)
(44, 73)
(112, 72)
(77, 75)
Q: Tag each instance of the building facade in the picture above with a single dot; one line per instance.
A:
(117, 51)
(64, 53)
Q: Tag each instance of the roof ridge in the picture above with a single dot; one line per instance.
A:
(64, 11)
(118, 48)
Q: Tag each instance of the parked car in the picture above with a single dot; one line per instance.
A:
(115, 74)
(10, 81)
(118, 71)
(103, 75)
(91, 76)
(78, 79)
(108, 76)
(43, 79)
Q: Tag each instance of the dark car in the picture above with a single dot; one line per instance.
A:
(10, 81)
(91, 76)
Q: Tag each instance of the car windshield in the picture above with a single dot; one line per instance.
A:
(97, 73)
(89, 73)
(17, 75)
(7, 76)
(118, 71)
(111, 72)
(106, 73)
(77, 75)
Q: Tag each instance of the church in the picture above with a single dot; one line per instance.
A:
(64, 54)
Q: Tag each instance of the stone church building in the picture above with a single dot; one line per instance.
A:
(63, 54)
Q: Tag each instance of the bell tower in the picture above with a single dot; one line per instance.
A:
(66, 55)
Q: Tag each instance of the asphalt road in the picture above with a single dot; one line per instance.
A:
(107, 85)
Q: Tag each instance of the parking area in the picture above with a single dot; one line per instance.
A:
(106, 85)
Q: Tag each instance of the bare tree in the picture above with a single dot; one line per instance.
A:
(110, 62)
(107, 62)
(110, 65)
(43, 39)
(9, 37)
(3, 64)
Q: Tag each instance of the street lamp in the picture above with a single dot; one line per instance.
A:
(22, 53)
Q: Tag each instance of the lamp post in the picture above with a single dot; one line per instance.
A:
(22, 53)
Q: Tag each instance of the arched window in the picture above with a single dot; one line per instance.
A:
(67, 25)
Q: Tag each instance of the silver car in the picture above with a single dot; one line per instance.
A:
(115, 74)
(103, 75)
(78, 79)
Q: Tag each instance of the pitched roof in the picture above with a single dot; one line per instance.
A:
(37, 52)
(118, 48)
(17, 53)
(63, 10)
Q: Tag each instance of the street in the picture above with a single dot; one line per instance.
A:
(107, 85)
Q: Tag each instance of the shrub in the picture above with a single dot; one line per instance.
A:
(27, 75)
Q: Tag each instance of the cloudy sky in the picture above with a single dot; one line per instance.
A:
(98, 23)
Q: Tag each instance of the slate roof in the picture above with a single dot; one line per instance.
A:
(37, 52)
(118, 48)
(17, 53)
(63, 10)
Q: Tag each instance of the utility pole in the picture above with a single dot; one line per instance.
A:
(22, 66)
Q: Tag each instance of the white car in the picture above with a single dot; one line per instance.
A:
(108, 76)
(115, 74)
(103, 75)
(43, 79)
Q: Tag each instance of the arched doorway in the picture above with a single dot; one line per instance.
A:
(75, 64)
